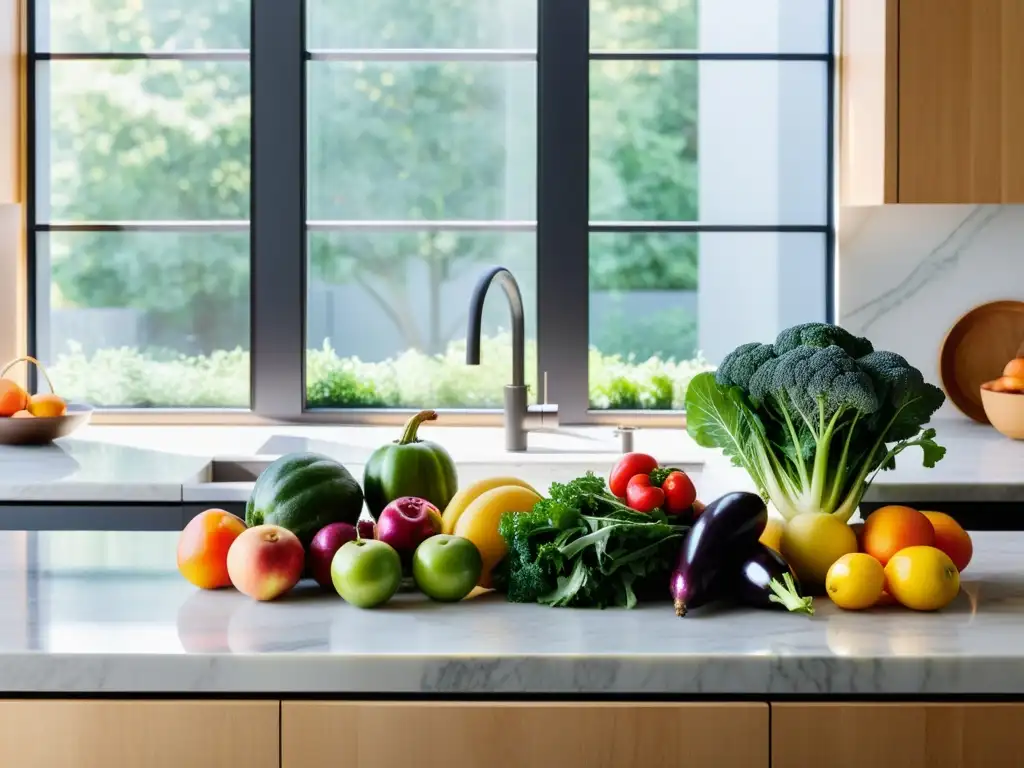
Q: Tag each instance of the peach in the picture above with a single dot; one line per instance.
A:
(203, 548)
(265, 561)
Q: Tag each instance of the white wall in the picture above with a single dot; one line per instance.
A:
(907, 272)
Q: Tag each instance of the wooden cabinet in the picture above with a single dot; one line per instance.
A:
(932, 101)
(897, 735)
(510, 735)
(139, 734)
(434, 734)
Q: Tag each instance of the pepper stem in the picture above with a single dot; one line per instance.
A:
(413, 424)
(787, 596)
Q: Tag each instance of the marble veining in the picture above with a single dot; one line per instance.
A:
(908, 272)
(95, 628)
(933, 265)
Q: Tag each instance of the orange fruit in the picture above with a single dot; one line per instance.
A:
(951, 538)
(46, 405)
(1015, 368)
(203, 548)
(21, 415)
(12, 398)
(858, 530)
(885, 599)
(922, 578)
(890, 529)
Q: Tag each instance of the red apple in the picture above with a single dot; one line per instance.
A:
(327, 541)
(367, 528)
(406, 522)
(265, 561)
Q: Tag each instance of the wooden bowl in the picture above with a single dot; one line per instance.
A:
(975, 350)
(1005, 411)
(41, 431)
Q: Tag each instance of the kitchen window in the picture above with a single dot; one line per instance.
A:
(655, 173)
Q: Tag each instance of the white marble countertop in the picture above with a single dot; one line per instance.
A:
(174, 464)
(106, 612)
(155, 465)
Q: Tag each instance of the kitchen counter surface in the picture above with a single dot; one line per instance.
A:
(92, 613)
(140, 465)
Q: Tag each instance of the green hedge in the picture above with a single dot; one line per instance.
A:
(130, 377)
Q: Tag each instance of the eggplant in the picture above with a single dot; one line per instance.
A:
(765, 580)
(723, 535)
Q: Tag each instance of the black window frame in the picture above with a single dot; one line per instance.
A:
(279, 60)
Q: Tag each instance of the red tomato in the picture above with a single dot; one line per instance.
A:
(679, 492)
(629, 465)
(642, 496)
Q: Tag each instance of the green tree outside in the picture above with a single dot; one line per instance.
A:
(144, 140)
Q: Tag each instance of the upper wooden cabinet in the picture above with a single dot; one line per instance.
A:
(932, 101)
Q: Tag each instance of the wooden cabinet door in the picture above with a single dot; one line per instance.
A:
(897, 735)
(139, 734)
(512, 735)
(961, 101)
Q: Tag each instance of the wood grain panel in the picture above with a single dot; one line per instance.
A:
(11, 69)
(13, 279)
(897, 735)
(869, 99)
(961, 101)
(512, 735)
(139, 734)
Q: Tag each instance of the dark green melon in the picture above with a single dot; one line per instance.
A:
(303, 492)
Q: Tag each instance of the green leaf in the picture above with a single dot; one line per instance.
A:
(567, 587)
(718, 417)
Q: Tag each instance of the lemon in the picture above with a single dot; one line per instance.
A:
(922, 578)
(855, 581)
(811, 542)
(772, 536)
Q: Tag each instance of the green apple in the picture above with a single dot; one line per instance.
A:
(446, 567)
(367, 573)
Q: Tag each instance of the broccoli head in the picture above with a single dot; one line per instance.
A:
(814, 416)
(908, 401)
(817, 383)
(740, 364)
(821, 335)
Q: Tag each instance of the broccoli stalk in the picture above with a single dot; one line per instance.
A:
(813, 418)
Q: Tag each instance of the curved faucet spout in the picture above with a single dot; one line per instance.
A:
(476, 312)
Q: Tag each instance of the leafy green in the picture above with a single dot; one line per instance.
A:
(814, 417)
(582, 547)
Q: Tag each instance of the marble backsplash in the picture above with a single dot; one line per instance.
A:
(907, 272)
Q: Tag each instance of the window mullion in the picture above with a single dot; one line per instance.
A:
(278, 246)
(562, 206)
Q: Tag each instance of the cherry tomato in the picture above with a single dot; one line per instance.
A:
(679, 493)
(630, 464)
(642, 496)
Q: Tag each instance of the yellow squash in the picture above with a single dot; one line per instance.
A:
(479, 522)
(466, 496)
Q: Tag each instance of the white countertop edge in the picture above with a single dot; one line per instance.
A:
(294, 673)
